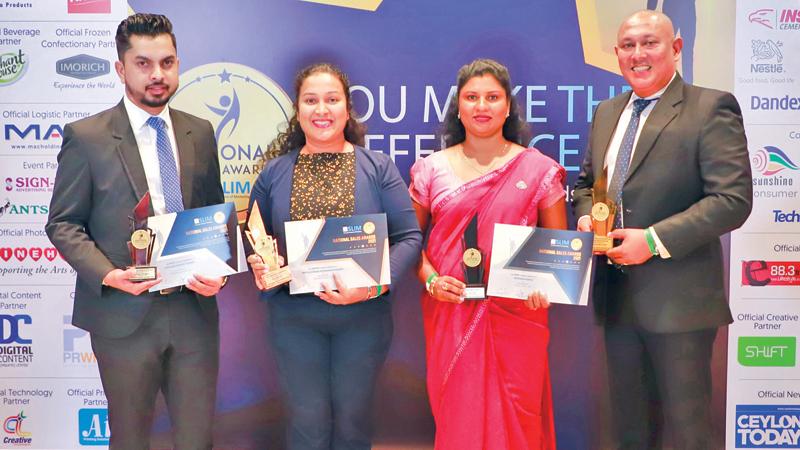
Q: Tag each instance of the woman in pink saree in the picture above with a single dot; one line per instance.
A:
(488, 377)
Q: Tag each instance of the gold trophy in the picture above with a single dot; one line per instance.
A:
(603, 211)
(266, 247)
(141, 243)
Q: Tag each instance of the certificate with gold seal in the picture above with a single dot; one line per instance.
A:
(556, 263)
(356, 248)
(204, 241)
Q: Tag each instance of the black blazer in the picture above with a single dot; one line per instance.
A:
(99, 181)
(690, 179)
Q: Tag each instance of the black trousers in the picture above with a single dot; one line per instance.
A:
(329, 358)
(175, 350)
(660, 381)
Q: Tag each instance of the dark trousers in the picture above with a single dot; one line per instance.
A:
(174, 350)
(329, 358)
(660, 381)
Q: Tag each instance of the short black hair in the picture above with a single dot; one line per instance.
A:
(142, 24)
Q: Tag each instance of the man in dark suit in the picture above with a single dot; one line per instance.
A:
(144, 342)
(676, 161)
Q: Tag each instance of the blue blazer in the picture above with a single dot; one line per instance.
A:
(379, 189)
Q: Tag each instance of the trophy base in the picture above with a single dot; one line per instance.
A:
(602, 244)
(144, 273)
(475, 292)
(276, 277)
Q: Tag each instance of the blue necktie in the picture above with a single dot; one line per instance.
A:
(170, 182)
(624, 159)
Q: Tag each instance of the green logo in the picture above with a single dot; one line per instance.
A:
(767, 351)
(12, 67)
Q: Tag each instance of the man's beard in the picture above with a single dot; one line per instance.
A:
(155, 103)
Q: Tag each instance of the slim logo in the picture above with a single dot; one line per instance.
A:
(93, 427)
(88, 6)
(767, 351)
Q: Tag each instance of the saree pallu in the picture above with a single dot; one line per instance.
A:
(488, 377)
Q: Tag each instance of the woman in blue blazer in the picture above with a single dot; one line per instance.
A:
(330, 345)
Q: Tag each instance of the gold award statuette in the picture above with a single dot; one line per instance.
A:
(141, 243)
(266, 247)
(603, 211)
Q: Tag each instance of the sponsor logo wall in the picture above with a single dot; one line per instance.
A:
(763, 398)
(56, 59)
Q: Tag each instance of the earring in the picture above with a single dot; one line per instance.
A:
(459, 115)
(508, 114)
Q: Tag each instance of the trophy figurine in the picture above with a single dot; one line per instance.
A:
(473, 263)
(266, 247)
(603, 211)
(141, 243)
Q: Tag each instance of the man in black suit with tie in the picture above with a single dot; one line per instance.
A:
(144, 342)
(676, 163)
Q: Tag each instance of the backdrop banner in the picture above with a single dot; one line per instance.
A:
(238, 61)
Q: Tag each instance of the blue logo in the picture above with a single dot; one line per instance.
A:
(39, 132)
(10, 328)
(767, 426)
(784, 103)
(82, 67)
(93, 428)
(781, 216)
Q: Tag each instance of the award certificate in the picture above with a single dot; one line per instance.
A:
(204, 241)
(356, 248)
(556, 263)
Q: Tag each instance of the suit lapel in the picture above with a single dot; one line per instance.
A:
(128, 151)
(664, 112)
(604, 130)
(186, 155)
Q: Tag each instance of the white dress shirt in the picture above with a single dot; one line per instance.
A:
(146, 141)
(616, 141)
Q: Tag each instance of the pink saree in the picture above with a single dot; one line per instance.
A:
(488, 377)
